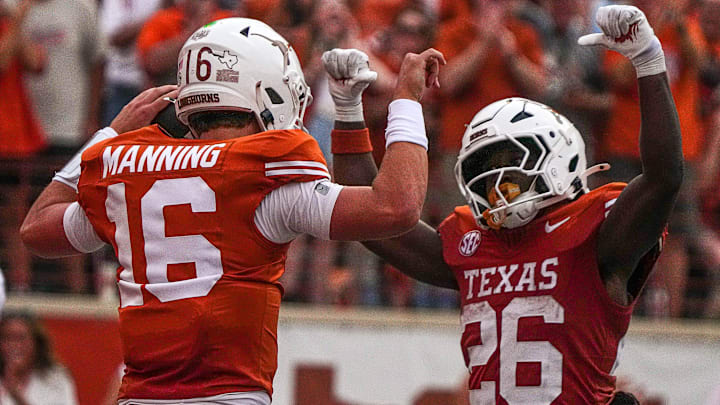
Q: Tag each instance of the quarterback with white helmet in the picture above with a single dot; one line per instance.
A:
(201, 226)
(241, 64)
(548, 271)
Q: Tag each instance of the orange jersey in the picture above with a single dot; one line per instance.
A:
(538, 324)
(199, 290)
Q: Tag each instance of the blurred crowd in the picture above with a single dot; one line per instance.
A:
(68, 66)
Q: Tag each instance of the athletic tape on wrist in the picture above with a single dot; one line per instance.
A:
(652, 66)
(350, 141)
(651, 61)
(353, 113)
(70, 173)
(405, 123)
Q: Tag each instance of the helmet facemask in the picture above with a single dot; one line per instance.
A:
(517, 157)
(503, 180)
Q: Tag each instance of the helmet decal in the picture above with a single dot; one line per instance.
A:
(216, 57)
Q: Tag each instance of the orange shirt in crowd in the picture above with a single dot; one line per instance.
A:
(374, 15)
(622, 134)
(493, 80)
(260, 9)
(164, 25)
(20, 132)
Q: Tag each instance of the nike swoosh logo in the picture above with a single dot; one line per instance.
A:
(549, 228)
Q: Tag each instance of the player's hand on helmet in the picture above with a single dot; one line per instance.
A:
(349, 75)
(625, 29)
(141, 110)
(418, 73)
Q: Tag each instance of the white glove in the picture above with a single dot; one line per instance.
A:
(627, 31)
(349, 75)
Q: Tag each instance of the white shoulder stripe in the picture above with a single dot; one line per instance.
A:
(610, 203)
(283, 172)
(295, 163)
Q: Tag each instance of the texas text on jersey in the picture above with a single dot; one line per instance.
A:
(198, 282)
(538, 324)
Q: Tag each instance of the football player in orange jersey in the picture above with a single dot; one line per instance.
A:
(548, 271)
(201, 226)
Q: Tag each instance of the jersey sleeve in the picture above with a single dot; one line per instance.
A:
(297, 208)
(299, 160)
(79, 231)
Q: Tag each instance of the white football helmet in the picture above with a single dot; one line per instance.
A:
(544, 145)
(242, 64)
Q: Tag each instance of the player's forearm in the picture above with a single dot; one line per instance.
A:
(660, 138)
(402, 180)
(417, 254)
(42, 231)
(356, 169)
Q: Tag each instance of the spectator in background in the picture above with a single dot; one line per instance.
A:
(165, 32)
(2, 291)
(412, 30)
(120, 24)
(29, 374)
(710, 64)
(679, 32)
(707, 186)
(333, 26)
(66, 95)
(20, 133)
(491, 55)
(577, 89)
(293, 19)
(708, 177)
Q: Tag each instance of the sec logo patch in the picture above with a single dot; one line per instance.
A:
(469, 243)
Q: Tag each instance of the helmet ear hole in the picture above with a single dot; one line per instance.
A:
(274, 96)
(573, 163)
(540, 186)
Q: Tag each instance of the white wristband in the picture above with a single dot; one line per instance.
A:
(70, 173)
(353, 113)
(405, 123)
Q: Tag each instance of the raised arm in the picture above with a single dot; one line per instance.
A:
(417, 253)
(55, 226)
(641, 212)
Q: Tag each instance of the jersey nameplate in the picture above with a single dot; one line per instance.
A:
(155, 158)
